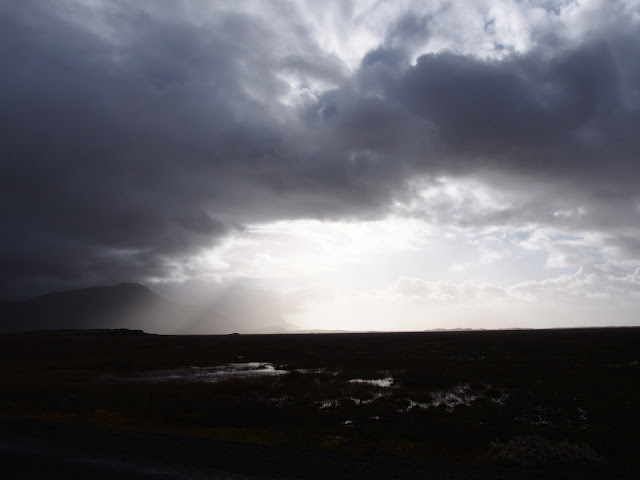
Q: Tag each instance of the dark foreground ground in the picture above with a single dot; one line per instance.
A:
(536, 402)
(32, 449)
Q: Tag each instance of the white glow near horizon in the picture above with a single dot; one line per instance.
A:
(420, 269)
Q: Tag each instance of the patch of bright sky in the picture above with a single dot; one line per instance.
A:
(372, 254)
(433, 259)
(310, 248)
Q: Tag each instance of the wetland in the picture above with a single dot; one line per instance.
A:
(564, 399)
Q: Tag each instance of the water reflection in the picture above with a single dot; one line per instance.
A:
(208, 374)
(449, 399)
(378, 382)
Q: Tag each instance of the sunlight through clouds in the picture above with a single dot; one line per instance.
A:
(305, 248)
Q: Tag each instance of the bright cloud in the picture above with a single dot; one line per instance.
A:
(305, 248)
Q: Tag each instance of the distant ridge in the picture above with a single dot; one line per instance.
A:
(103, 295)
(122, 306)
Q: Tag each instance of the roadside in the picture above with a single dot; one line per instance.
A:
(35, 449)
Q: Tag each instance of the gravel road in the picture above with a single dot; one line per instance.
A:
(32, 449)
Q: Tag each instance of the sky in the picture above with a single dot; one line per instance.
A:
(334, 165)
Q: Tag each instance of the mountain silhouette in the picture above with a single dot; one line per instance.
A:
(126, 305)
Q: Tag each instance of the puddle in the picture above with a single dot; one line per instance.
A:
(328, 404)
(413, 403)
(368, 400)
(378, 382)
(584, 420)
(460, 395)
(361, 401)
(207, 374)
(455, 397)
(583, 414)
(501, 400)
(313, 371)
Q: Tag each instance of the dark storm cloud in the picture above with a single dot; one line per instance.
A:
(556, 128)
(115, 153)
(133, 136)
(569, 121)
(526, 112)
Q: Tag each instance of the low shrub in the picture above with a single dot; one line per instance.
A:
(533, 451)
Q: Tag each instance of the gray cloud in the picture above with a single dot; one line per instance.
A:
(133, 136)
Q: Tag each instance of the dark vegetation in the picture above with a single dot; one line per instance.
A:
(544, 398)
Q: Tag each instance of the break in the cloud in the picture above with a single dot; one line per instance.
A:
(294, 148)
